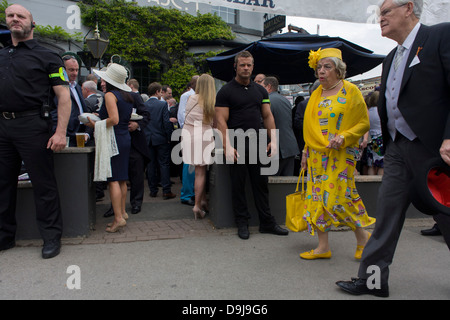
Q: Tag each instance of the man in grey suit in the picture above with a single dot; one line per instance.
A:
(92, 98)
(414, 110)
(282, 113)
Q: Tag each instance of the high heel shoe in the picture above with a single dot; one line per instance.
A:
(115, 227)
(204, 206)
(360, 249)
(198, 213)
(124, 216)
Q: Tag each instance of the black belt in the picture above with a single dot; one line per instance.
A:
(20, 114)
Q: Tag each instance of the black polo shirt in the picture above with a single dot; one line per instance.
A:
(244, 103)
(26, 74)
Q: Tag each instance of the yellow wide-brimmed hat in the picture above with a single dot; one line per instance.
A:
(316, 56)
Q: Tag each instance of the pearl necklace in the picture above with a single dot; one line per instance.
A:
(332, 86)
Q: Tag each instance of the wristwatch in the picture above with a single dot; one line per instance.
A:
(342, 137)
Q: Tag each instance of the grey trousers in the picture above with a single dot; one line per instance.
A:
(400, 162)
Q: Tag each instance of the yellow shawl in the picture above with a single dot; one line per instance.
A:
(355, 121)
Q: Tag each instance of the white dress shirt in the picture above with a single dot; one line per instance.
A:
(75, 94)
(182, 106)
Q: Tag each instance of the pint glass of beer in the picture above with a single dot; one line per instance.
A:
(80, 140)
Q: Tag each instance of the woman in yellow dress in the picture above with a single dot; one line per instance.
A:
(335, 119)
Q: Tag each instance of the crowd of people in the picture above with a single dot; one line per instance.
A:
(336, 133)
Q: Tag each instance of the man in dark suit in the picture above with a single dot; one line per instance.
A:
(139, 154)
(414, 109)
(300, 115)
(78, 105)
(158, 135)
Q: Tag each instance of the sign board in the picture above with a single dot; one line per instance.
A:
(368, 88)
(274, 24)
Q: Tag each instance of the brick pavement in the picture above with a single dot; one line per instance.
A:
(164, 219)
(159, 219)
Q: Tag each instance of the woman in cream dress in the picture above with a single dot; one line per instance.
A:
(197, 140)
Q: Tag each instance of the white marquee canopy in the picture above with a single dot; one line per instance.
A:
(360, 11)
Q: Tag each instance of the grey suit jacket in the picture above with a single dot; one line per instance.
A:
(94, 102)
(282, 113)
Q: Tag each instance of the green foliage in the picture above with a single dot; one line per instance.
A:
(178, 76)
(57, 33)
(151, 34)
(3, 5)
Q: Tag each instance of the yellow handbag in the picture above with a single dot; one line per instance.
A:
(295, 206)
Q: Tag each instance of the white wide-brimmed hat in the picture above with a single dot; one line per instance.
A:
(116, 75)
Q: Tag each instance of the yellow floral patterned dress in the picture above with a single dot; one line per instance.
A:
(332, 197)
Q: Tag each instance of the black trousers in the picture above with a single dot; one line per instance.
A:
(260, 189)
(26, 139)
(400, 162)
(443, 222)
(159, 159)
(136, 176)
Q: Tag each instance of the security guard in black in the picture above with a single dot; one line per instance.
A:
(27, 72)
(244, 103)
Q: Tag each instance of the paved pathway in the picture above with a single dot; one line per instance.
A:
(194, 261)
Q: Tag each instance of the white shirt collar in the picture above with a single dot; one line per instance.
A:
(411, 37)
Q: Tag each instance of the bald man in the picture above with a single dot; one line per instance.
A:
(29, 73)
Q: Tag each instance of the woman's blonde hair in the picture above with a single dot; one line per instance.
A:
(206, 90)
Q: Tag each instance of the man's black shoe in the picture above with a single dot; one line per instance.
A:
(109, 212)
(51, 249)
(434, 231)
(243, 232)
(189, 202)
(276, 229)
(7, 246)
(359, 286)
(135, 209)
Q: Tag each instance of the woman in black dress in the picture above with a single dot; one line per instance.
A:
(117, 112)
